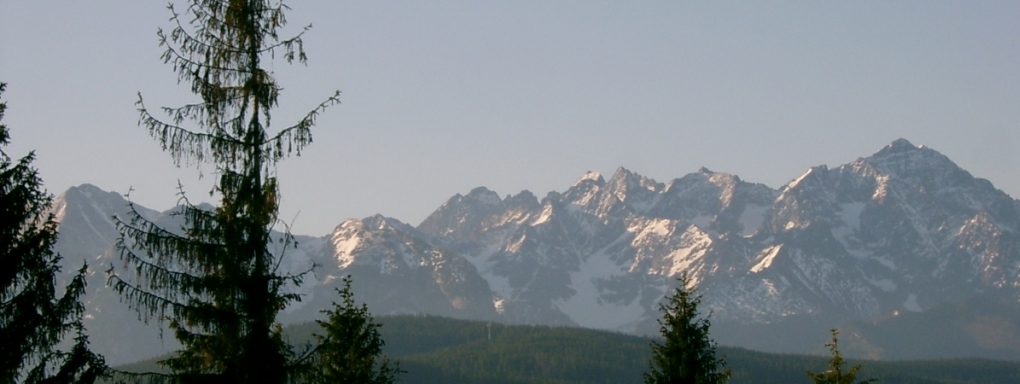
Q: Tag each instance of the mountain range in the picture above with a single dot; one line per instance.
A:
(912, 256)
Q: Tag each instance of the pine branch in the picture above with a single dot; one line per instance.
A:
(299, 135)
(183, 144)
(140, 299)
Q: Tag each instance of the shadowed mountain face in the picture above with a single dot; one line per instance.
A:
(897, 233)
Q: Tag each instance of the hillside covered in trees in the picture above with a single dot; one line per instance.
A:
(440, 350)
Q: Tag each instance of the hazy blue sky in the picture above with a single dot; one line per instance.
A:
(442, 96)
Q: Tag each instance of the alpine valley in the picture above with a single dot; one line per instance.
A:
(909, 255)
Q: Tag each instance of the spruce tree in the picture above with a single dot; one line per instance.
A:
(837, 372)
(33, 320)
(351, 349)
(687, 354)
(215, 281)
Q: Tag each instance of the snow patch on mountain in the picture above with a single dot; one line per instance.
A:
(885, 285)
(796, 182)
(846, 229)
(587, 307)
(752, 218)
(766, 257)
(911, 303)
(886, 262)
(850, 214)
(694, 243)
(590, 175)
(653, 228)
(344, 244)
(544, 216)
(702, 221)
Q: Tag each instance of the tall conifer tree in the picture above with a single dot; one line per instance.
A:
(837, 372)
(687, 354)
(350, 351)
(32, 318)
(215, 280)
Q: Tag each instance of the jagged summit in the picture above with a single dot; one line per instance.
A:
(484, 196)
(591, 176)
(523, 199)
(625, 182)
(930, 172)
(88, 189)
(899, 145)
(902, 155)
(91, 192)
(93, 206)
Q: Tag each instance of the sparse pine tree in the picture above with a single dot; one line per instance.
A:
(350, 351)
(687, 353)
(215, 280)
(33, 320)
(837, 372)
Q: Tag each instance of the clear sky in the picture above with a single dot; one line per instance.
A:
(442, 96)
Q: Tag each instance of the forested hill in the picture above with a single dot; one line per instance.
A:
(434, 349)
(441, 350)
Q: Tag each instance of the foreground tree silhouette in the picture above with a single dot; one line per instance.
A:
(687, 354)
(837, 372)
(32, 318)
(215, 280)
(351, 349)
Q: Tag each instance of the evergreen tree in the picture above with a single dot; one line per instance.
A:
(351, 349)
(215, 280)
(837, 372)
(32, 318)
(687, 354)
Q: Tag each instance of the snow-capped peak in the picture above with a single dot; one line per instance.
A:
(900, 144)
(484, 196)
(591, 175)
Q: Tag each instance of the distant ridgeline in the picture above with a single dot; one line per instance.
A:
(434, 349)
(907, 253)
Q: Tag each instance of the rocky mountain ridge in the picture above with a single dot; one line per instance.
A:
(901, 231)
